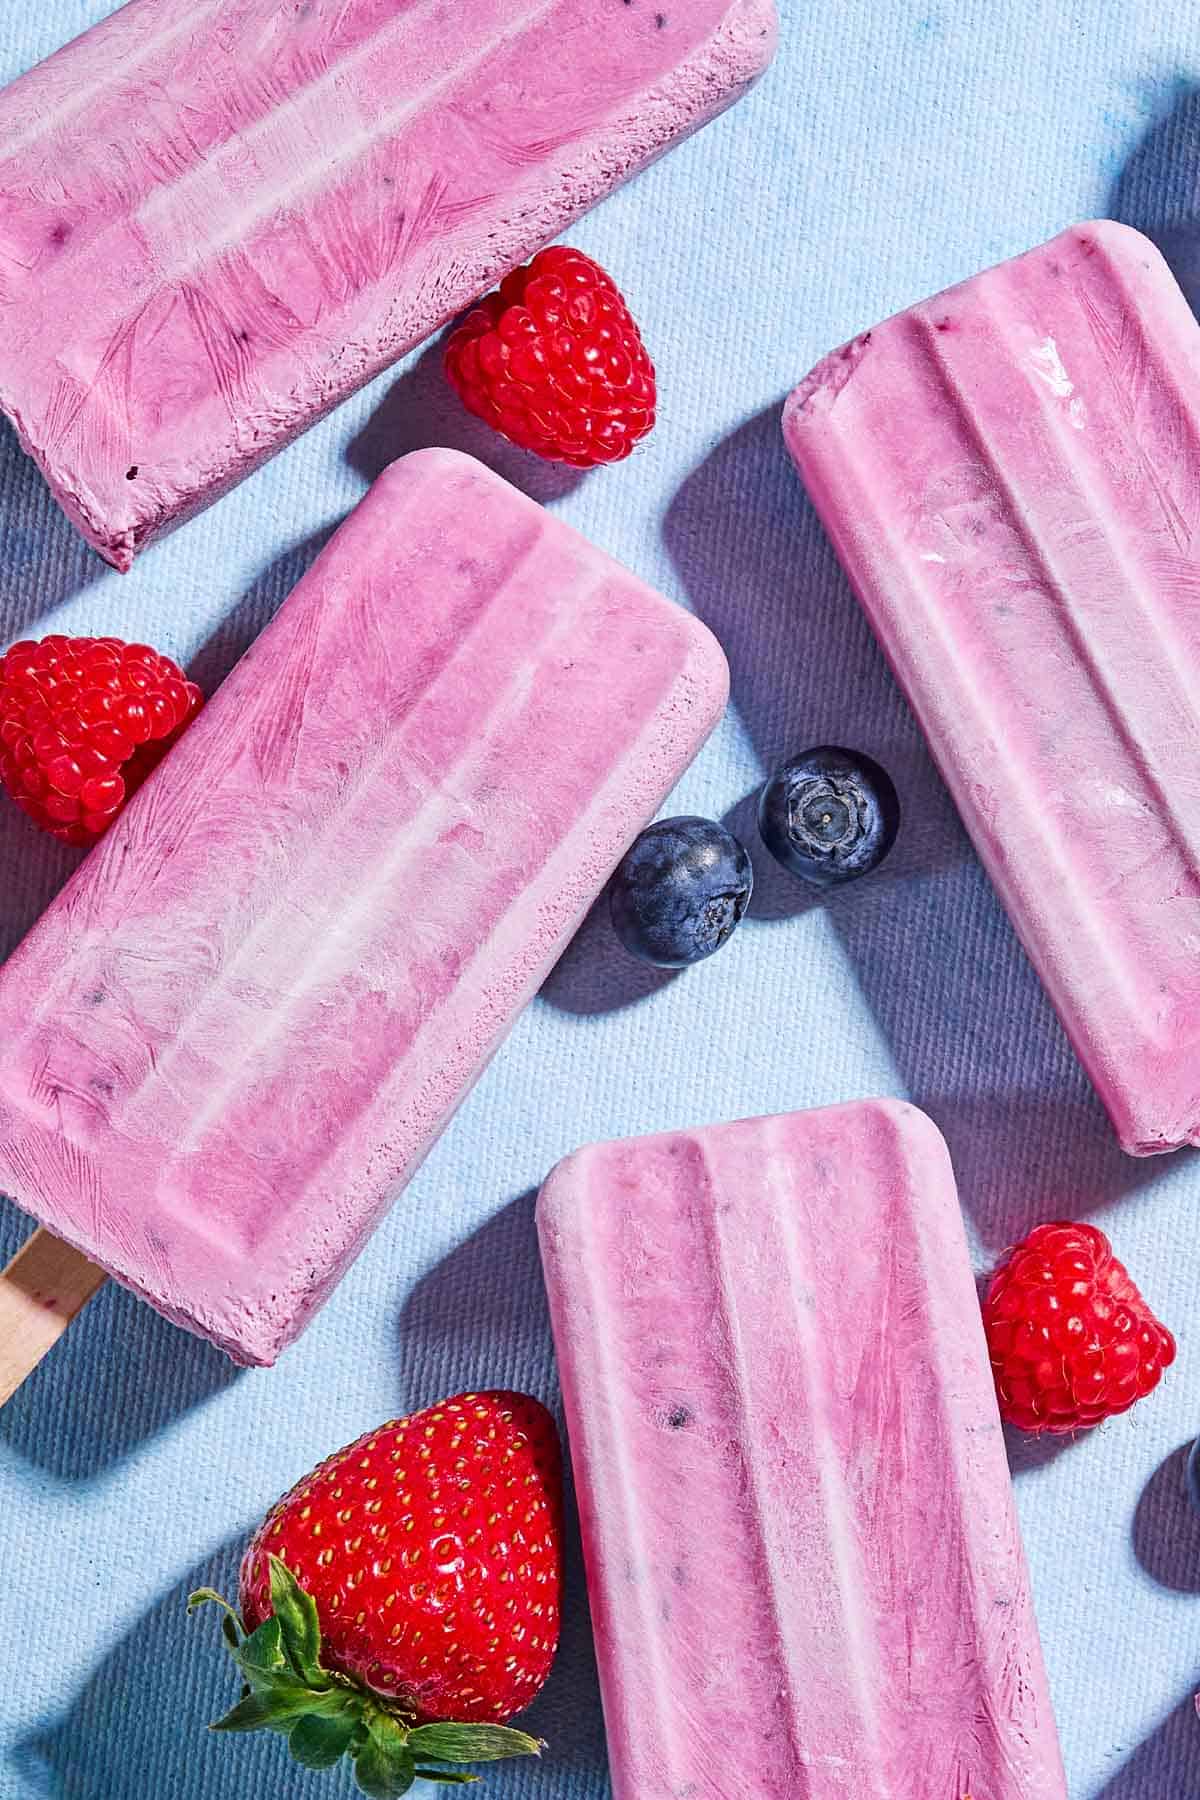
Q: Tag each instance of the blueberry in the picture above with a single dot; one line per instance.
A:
(1193, 1475)
(829, 815)
(681, 892)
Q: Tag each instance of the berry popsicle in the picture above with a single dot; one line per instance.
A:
(1010, 474)
(805, 1571)
(217, 222)
(239, 1028)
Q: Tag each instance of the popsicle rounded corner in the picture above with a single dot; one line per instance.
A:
(115, 537)
(1145, 1131)
(814, 395)
(557, 1194)
(756, 24)
(791, 415)
(707, 668)
(435, 460)
(914, 1128)
(1123, 244)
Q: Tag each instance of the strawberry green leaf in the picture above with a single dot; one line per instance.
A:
(448, 1779)
(279, 1700)
(472, 1743)
(327, 1703)
(261, 1650)
(383, 1780)
(384, 1766)
(319, 1743)
(298, 1623)
(254, 1713)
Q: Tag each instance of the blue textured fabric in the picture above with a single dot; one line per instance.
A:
(896, 146)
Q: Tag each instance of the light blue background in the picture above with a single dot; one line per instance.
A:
(897, 145)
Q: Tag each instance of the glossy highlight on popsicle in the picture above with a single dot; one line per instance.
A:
(235, 1034)
(218, 222)
(1010, 474)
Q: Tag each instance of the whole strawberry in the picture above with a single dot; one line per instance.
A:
(1072, 1341)
(83, 721)
(402, 1601)
(554, 362)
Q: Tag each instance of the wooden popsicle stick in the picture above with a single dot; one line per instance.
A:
(42, 1289)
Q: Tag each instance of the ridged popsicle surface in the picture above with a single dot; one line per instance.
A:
(1010, 474)
(803, 1560)
(235, 1033)
(218, 220)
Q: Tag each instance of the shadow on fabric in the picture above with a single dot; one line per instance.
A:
(44, 560)
(139, 1725)
(422, 411)
(595, 974)
(1156, 191)
(975, 1041)
(1166, 1766)
(120, 1375)
(1166, 1528)
(255, 610)
(33, 866)
(1029, 1453)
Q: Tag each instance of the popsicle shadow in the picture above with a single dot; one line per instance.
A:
(120, 1374)
(1166, 1766)
(1156, 188)
(255, 610)
(1166, 1527)
(43, 558)
(480, 1319)
(138, 1726)
(975, 1041)
(421, 410)
(33, 866)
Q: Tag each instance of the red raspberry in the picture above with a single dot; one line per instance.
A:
(555, 363)
(1072, 1341)
(83, 721)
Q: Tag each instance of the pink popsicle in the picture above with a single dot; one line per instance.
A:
(237, 1031)
(1011, 476)
(216, 222)
(804, 1566)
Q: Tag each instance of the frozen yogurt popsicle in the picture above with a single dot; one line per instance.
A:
(237, 1031)
(803, 1560)
(217, 221)
(1011, 476)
